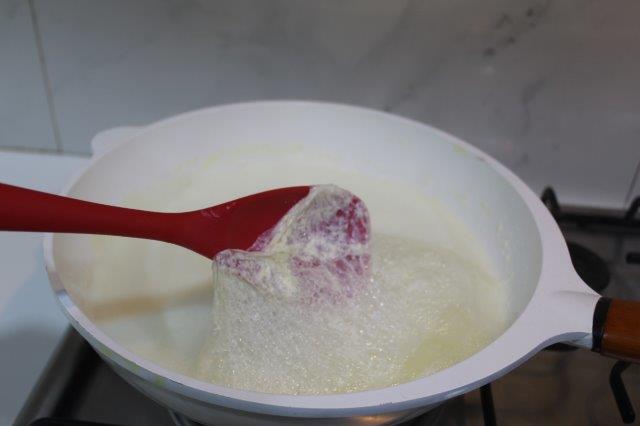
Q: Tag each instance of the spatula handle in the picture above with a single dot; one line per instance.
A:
(24, 209)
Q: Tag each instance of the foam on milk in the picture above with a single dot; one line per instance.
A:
(423, 310)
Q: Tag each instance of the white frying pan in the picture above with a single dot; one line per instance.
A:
(548, 303)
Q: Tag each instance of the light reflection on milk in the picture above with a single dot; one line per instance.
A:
(434, 300)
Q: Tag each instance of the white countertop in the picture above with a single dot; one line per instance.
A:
(30, 321)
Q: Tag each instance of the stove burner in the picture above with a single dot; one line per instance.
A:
(589, 266)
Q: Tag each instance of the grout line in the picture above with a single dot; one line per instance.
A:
(634, 180)
(45, 77)
(24, 150)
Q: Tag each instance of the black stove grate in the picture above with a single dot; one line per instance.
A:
(595, 219)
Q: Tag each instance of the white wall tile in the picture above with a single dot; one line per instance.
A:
(24, 116)
(545, 86)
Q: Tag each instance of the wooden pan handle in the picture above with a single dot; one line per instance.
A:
(616, 329)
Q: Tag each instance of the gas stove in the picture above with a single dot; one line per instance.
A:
(559, 386)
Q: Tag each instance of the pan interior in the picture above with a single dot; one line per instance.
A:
(472, 197)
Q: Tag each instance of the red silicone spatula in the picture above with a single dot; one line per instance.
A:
(235, 224)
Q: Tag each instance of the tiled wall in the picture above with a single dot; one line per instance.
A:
(24, 116)
(549, 87)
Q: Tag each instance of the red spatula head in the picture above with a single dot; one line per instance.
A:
(319, 251)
